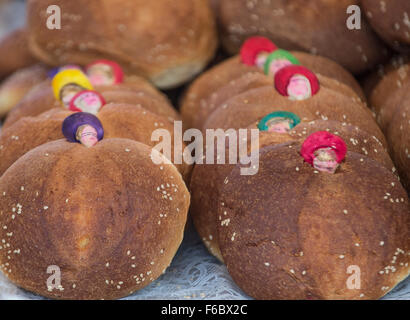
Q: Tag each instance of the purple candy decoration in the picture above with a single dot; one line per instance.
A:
(53, 72)
(76, 120)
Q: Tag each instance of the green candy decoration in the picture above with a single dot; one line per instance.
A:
(278, 114)
(279, 54)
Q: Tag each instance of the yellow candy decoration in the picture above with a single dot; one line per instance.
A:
(67, 83)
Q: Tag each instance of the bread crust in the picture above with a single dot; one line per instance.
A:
(41, 99)
(310, 26)
(391, 21)
(119, 121)
(241, 110)
(113, 235)
(17, 85)
(398, 136)
(207, 180)
(168, 47)
(298, 237)
(197, 103)
(14, 52)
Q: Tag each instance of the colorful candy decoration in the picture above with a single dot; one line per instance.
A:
(255, 50)
(324, 151)
(89, 101)
(104, 72)
(296, 82)
(52, 73)
(84, 128)
(279, 59)
(279, 121)
(67, 83)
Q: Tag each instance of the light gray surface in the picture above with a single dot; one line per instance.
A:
(12, 15)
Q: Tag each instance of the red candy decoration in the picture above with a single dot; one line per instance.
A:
(253, 46)
(283, 76)
(323, 139)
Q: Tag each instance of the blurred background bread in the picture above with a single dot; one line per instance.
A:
(167, 46)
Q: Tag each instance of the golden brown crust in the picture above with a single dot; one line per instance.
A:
(298, 237)
(311, 26)
(118, 120)
(213, 87)
(41, 99)
(390, 82)
(357, 140)
(208, 179)
(28, 133)
(330, 69)
(209, 82)
(14, 52)
(166, 46)
(17, 85)
(96, 213)
(391, 105)
(247, 81)
(246, 108)
(390, 19)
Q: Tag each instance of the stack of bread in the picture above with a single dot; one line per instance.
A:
(304, 202)
(90, 199)
(293, 229)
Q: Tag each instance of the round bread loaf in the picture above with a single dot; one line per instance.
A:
(17, 85)
(41, 99)
(391, 21)
(207, 179)
(119, 121)
(300, 234)
(97, 214)
(165, 41)
(318, 27)
(206, 86)
(14, 52)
